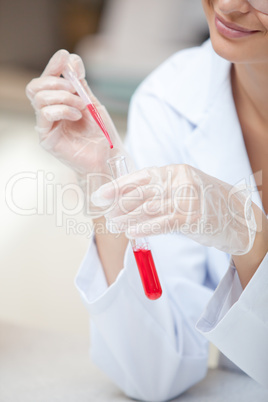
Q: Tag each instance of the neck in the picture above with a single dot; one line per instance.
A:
(250, 86)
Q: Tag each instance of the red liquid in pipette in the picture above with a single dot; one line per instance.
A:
(97, 117)
(148, 274)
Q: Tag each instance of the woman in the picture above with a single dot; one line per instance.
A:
(201, 118)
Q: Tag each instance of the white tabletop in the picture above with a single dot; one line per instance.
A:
(39, 366)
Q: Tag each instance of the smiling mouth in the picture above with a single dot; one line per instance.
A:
(230, 29)
(234, 26)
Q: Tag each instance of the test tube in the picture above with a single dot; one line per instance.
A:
(140, 246)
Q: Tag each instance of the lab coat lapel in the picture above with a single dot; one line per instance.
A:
(216, 146)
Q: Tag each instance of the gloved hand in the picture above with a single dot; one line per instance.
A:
(66, 128)
(180, 198)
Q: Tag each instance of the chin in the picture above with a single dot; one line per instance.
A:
(238, 53)
(233, 51)
(225, 50)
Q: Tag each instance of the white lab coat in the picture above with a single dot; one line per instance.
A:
(154, 350)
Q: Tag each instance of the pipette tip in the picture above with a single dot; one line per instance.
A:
(97, 117)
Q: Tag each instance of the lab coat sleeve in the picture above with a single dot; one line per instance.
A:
(236, 321)
(150, 349)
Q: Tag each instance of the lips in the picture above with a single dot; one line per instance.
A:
(231, 30)
(233, 26)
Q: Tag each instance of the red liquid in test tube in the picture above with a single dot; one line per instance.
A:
(148, 274)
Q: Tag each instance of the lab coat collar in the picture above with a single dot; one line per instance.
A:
(208, 73)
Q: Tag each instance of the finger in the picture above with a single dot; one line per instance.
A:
(132, 230)
(122, 185)
(50, 97)
(113, 196)
(138, 215)
(154, 209)
(50, 114)
(79, 68)
(149, 228)
(57, 63)
(114, 228)
(47, 83)
(78, 65)
(90, 93)
(162, 224)
(131, 201)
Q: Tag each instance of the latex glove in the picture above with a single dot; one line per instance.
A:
(66, 128)
(180, 198)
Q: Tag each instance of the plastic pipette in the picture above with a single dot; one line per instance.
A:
(70, 74)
